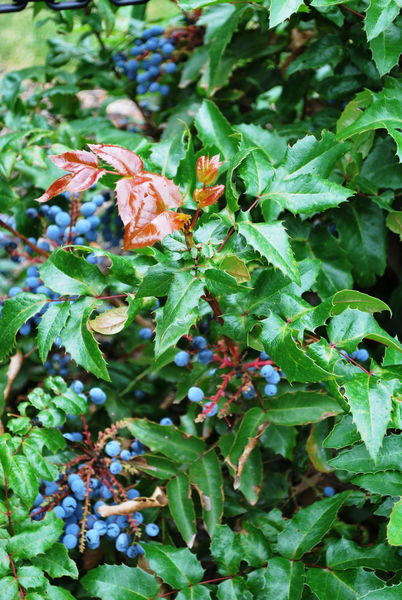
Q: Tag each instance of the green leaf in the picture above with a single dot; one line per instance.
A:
(343, 434)
(120, 582)
(358, 460)
(392, 592)
(80, 342)
(353, 299)
(158, 466)
(361, 225)
(56, 562)
(277, 340)
(36, 537)
(283, 580)
(215, 131)
(272, 242)
(218, 282)
(16, 312)
(394, 527)
(387, 483)
(348, 585)
(226, 550)
(307, 528)
(233, 589)
(380, 15)
(386, 47)
(370, 401)
(68, 274)
(195, 592)
(301, 407)
(281, 440)
(179, 312)
(169, 441)
(349, 328)
(344, 554)
(30, 577)
(181, 507)
(19, 472)
(9, 588)
(205, 474)
(280, 11)
(178, 567)
(248, 428)
(50, 326)
(394, 222)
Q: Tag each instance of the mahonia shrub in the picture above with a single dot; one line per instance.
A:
(200, 379)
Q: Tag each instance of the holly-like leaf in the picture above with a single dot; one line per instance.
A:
(215, 131)
(386, 483)
(370, 400)
(379, 16)
(124, 161)
(394, 527)
(50, 326)
(386, 48)
(206, 475)
(354, 299)
(280, 11)
(272, 242)
(344, 554)
(348, 585)
(19, 472)
(181, 507)
(66, 273)
(301, 407)
(16, 311)
(120, 582)
(178, 567)
(307, 528)
(36, 537)
(358, 460)
(56, 562)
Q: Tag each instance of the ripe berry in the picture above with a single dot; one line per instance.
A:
(100, 526)
(87, 209)
(70, 541)
(59, 512)
(145, 333)
(274, 378)
(182, 358)
(270, 389)
(199, 343)
(14, 291)
(167, 48)
(164, 91)
(169, 67)
(115, 468)
(267, 370)
(329, 491)
(205, 357)
(53, 232)
(77, 386)
(195, 394)
(122, 542)
(214, 409)
(132, 494)
(72, 529)
(112, 531)
(97, 395)
(112, 448)
(154, 87)
(69, 505)
(125, 455)
(93, 539)
(248, 392)
(166, 421)
(82, 226)
(62, 219)
(152, 529)
(132, 551)
(361, 354)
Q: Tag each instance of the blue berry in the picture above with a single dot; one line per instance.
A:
(95, 221)
(145, 333)
(87, 209)
(125, 455)
(97, 395)
(51, 488)
(156, 59)
(169, 67)
(32, 272)
(43, 245)
(32, 213)
(166, 421)
(205, 357)
(62, 219)
(143, 77)
(115, 468)
(214, 409)
(70, 541)
(112, 448)
(93, 538)
(361, 355)
(138, 518)
(167, 48)
(72, 528)
(154, 87)
(14, 291)
(195, 394)
(98, 199)
(274, 378)
(248, 392)
(154, 71)
(59, 512)
(267, 370)
(270, 389)
(141, 89)
(25, 329)
(38, 500)
(164, 90)
(199, 343)
(112, 531)
(122, 542)
(132, 494)
(152, 529)
(329, 491)
(82, 226)
(77, 386)
(100, 526)
(152, 44)
(182, 358)
(53, 232)
(69, 505)
(132, 551)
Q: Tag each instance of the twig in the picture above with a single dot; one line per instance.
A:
(352, 11)
(23, 238)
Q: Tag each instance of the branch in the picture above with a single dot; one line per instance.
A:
(23, 238)
(358, 14)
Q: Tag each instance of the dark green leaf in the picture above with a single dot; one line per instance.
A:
(120, 582)
(178, 567)
(301, 407)
(50, 326)
(205, 474)
(181, 507)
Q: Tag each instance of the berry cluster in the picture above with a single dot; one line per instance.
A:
(149, 62)
(91, 481)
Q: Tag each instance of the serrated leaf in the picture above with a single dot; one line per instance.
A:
(282, 579)
(16, 312)
(386, 47)
(394, 527)
(205, 474)
(30, 577)
(233, 589)
(169, 441)
(354, 299)
(36, 537)
(56, 562)
(344, 554)
(120, 582)
(226, 550)
(343, 434)
(358, 460)
(379, 16)
(181, 507)
(370, 401)
(68, 274)
(387, 483)
(50, 326)
(392, 592)
(214, 130)
(271, 241)
(79, 341)
(348, 585)
(307, 528)
(394, 222)
(301, 407)
(111, 321)
(195, 592)
(179, 312)
(280, 11)
(178, 567)
(18, 470)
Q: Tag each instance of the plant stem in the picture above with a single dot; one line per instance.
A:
(23, 238)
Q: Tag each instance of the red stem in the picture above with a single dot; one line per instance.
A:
(23, 238)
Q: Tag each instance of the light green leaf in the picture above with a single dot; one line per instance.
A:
(67, 274)
(344, 554)
(226, 550)
(348, 585)
(301, 407)
(50, 326)
(354, 299)
(30, 577)
(195, 592)
(19, 472)
(386, 48)
(16, 312)
(179, 312)
(394, 222)
(392, 592)
(56, 562)
(386, 483)
(181, 507)
(271, 241)
(280, 11)
(380, 15)
(36, 537)
(120, 582)
(178, 567)
(394, 527)
(214, 130)
(283, 580)
(233, 589)
(308, 526)
(205, 474)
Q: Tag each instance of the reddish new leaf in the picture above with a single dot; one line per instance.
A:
(207, 196)
(207, 168)
(143, 208)
(74, 161)
(124, 161)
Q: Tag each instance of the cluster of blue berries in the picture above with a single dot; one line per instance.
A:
(272, 377)
(67, 496)
(95, 394)
(201, 353)
(149, 61)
